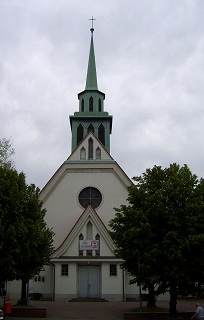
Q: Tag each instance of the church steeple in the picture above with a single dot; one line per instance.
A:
(91, 78)
(91, 115)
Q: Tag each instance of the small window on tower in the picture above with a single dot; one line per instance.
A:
(80, 134)
(98, 153)
(83, 153)
(101, 134)
(82, 105)
(91, 128)
(91, 104)
(90, 142)
(99, 105)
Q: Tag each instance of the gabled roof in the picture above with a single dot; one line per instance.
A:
(75, 155)
(89, 214)
(74, 160)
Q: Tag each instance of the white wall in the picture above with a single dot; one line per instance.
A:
(112, 286)
(63, 201)
(65, 286)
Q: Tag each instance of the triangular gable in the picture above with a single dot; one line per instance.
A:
(83, 145)
(74, 158)
(89, 214)
(70, 165)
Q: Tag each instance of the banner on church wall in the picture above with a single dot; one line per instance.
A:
(89, 244)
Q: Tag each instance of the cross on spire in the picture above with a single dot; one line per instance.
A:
(92, 20)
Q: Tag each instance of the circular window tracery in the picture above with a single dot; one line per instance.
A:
(90, 196)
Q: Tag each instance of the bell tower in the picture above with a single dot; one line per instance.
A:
(91, 115)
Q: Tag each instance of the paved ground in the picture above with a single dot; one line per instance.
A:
(98, 310)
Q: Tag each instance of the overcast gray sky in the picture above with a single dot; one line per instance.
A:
(150, 65)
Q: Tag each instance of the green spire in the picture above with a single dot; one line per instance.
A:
(91, 115)
(91, 78)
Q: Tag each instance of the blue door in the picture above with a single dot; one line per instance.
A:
(89, 281)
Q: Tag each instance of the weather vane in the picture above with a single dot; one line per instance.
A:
(92, 28)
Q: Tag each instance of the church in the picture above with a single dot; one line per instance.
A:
(80, 199)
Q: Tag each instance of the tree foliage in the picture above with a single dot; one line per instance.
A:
(25, 240)
(160, 234)
(6, 151)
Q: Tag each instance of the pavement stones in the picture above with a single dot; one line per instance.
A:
(99, 310)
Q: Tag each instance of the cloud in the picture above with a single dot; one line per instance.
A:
(149, 60)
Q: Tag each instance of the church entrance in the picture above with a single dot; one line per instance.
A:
(89, 281)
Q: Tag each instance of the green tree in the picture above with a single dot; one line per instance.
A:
(25, 239)
(6, 151)
(160, 234)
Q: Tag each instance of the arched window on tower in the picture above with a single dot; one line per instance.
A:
(90, 147)
(90, 128)
(101, 134)
(80, 134)
(98, 153)
(99, 105)
(91, 104)
(83, 153)
(82, 105)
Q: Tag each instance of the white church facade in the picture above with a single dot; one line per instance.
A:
(80, 199)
